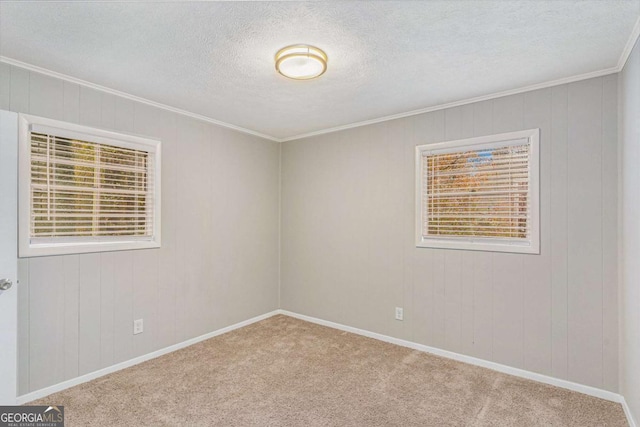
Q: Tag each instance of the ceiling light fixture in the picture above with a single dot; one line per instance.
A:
(301, 62)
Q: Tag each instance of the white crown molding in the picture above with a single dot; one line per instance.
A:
(438, 107)
(125, 95)
(631, 41)
(622, 60)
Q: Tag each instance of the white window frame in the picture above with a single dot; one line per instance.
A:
(531, 246)
(67, 245)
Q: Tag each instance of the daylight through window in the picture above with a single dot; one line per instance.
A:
(88, 190)
(480, 193)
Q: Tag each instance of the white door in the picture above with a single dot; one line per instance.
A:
(8, 257)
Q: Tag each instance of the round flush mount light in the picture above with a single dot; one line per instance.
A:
(301, 62)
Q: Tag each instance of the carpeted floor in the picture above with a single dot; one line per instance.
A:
(287, 372)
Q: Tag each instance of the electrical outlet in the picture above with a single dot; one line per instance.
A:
(399, 313)
(138, 327)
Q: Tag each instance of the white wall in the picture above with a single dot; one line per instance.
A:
(630, 232)
(218, 264)
(347, 239)
(348, 253)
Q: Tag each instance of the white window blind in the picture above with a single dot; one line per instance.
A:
(479, 193)
(86, 190)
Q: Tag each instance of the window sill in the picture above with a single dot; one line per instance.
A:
(480, 245)
(50, 249)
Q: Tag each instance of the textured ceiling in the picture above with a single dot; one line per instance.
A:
(216, 58)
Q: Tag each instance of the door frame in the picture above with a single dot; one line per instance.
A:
(9, 257)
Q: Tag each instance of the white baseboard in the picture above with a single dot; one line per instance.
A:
(25, 398)
(591, 391)
(627, 412)
(585, 389)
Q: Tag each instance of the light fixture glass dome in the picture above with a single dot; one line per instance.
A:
(301, 62)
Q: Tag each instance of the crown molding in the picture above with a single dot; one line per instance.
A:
(438, 107)
(624, 56)
(622, 60)
(631, 42)
(65, 77)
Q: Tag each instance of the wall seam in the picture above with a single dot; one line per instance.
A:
(29, 261)
(602, 220)
(566, 288)
(620, 141)
(523, 360)
(280, 225)
(29, 386)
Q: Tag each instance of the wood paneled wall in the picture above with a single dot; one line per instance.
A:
(347, 239)
(348, 253)
(218, 264)
(630, 233)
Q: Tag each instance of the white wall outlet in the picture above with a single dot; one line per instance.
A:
(399, 313)
(138, 327)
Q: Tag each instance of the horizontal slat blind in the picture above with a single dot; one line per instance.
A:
(481, 193)
(83, 189)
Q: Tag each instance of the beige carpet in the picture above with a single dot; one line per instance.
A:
(287, 372)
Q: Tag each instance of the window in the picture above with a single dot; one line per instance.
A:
(86, 190)
(479, 193)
